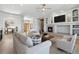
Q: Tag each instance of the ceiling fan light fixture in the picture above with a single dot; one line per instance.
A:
(43, 9)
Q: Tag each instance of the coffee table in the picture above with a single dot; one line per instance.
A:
(55, 39)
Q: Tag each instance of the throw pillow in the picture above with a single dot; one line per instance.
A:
(24, 34)
(29, 42)
(22, 38)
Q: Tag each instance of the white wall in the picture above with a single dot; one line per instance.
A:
(1, 20)
(16, 18)
(35, 22)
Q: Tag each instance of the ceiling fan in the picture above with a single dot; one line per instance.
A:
(44, 8)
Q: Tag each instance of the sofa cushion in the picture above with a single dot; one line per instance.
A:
(24, 39)
(24, 34)
(21, 37)
(30, 34)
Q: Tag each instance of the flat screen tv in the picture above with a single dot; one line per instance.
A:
(60, 18)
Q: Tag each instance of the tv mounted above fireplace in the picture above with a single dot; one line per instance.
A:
(60, 18)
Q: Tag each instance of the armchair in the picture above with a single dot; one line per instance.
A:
(67, 45)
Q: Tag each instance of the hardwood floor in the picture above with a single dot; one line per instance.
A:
(77, 43)
(77, 46)
(6, 45)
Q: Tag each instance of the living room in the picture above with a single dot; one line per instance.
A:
(56, 26)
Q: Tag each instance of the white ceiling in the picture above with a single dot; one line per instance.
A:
(32, 11)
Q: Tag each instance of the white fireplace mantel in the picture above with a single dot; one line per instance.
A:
(63, 27)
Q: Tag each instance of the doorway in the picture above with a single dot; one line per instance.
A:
(9, 26)
(42, 25)
(27, 26)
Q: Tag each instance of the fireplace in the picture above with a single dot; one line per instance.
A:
(50, 29)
